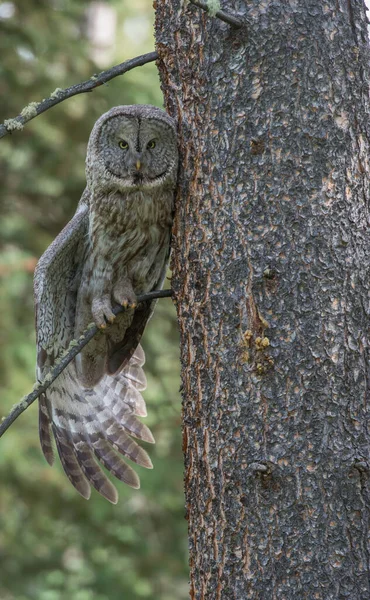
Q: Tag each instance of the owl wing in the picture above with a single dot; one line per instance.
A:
(55, 297)
(55, 302)
(87, 424)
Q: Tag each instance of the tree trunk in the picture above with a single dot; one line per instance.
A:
(270, 272)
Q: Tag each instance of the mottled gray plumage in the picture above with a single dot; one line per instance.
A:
(114, 248)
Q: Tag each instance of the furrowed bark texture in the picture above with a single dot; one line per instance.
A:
(271, 240)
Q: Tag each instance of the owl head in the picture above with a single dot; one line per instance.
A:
(130, 148)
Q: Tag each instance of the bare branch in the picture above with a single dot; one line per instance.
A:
(73, 349)
(230, 19)
(36, 108)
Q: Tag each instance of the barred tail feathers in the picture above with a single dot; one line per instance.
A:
(45, 431)
(92, 425)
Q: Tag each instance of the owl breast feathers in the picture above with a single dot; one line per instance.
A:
(114, 248)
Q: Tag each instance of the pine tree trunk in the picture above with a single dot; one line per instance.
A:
(271, 260)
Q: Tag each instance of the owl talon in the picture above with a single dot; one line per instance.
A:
(101, 310)
(124, 295)
(127, 304)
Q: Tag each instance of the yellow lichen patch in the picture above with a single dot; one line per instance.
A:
(245, 356)
(247, 335)
(262, 343)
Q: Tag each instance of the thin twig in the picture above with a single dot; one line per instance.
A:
(73, 349)
(34, 109)
(230, 19)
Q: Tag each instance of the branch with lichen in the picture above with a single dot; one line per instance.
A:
(68, 355)
(212, 7)
(34, 109)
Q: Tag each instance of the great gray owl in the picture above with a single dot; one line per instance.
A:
(114, 248)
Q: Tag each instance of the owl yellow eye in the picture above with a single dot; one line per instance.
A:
(151, 144)
(123, 144)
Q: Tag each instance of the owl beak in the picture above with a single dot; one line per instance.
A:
(138, 165)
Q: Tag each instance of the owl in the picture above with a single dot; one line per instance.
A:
(115, 247)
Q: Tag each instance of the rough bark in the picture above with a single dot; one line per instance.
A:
(271, 246)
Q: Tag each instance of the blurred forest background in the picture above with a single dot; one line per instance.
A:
(54, 545)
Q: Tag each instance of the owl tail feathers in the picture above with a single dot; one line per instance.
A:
(71, 466)
(79, 460)
(45, 431)
(94, 428)
(79, 463)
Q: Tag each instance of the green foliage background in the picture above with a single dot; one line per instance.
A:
(53, 544)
